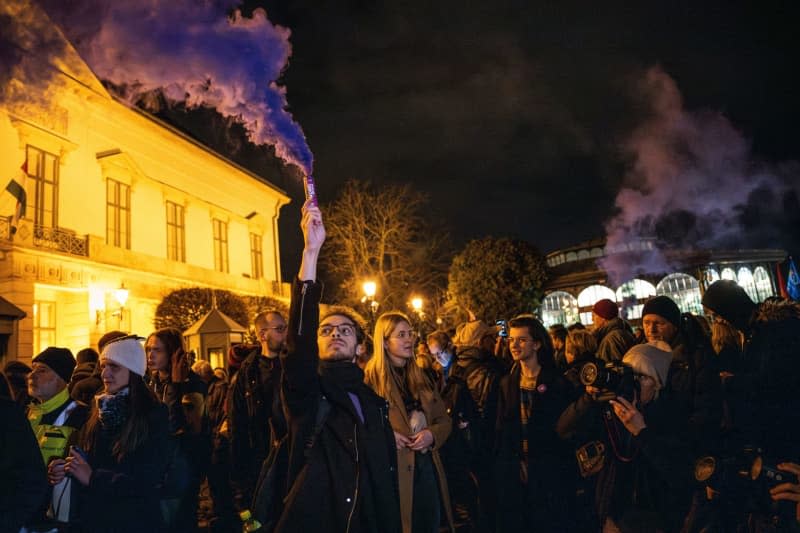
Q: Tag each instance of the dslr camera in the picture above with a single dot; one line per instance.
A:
(613, 379)
(747, 469)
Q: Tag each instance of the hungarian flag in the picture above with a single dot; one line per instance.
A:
(793, 282)
(17, 189)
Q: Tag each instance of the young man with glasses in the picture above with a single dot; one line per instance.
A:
(255, 414)
(342, 472)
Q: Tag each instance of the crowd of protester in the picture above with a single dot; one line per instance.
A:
(689, 423)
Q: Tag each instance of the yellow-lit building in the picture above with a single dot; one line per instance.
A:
(121, 210)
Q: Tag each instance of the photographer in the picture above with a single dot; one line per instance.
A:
(643, 484)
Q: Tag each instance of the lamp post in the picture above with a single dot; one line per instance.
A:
(416, 304)
(370, 288)
(121, 295)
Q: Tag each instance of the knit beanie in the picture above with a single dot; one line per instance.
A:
(59, 360)
(128, 352)
(651, 359)
(605, 308)
(664, 307)
(727, 299)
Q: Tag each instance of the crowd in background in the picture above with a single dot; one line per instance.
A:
(688, 423)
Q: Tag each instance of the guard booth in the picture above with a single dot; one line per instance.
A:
(211, 337)
(10, 316)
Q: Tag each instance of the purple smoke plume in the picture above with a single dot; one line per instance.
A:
(196, 54)
(691, 183)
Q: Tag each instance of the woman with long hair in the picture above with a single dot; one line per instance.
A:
(121, 459)
(419, 419)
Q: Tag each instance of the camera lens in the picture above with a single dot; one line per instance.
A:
(589, 373)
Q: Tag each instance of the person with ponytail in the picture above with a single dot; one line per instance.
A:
(420, 422)
(121, 456)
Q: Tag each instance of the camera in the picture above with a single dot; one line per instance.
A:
(614, 379)
(742, 470)
(502, 328)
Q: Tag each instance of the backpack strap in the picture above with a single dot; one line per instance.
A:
(323, 408)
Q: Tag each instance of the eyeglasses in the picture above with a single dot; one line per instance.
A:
(403, 335)
(279, 329)
(345, 330)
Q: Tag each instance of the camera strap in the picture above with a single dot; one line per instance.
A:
(615, 437)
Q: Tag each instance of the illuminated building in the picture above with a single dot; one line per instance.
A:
(576, 281)
(121, 210)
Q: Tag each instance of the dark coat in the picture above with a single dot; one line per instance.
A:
(217, 390)
(549, 462)
(122, 496)
(23, 478)
(613, 340)
(645, 483)
(347, 479)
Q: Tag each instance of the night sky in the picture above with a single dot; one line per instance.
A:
(549, 122)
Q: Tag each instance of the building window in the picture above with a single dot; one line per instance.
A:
(631, 296)
(588, 297)
(220, 245)
(42, 186)
(118, 214)
(559, 307)
(684, 290)
(44, 325)
(256, 257)
(176, 233)
(763, 284)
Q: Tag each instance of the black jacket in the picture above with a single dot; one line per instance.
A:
(549, 462)
(613, 340)
(346, 480)
(23, 478)
(122, 496)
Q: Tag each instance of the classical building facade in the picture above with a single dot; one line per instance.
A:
(577, 278)
(121, 210)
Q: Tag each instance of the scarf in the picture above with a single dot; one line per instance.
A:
(37, 410)
(344, 373)
(112, 410)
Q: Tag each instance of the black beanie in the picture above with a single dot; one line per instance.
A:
(663, 307)
(727, 299)
(59, 360)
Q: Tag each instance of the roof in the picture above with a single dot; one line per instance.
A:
(215, 321)
(7, 309)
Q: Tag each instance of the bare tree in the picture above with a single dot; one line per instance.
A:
(378, 233)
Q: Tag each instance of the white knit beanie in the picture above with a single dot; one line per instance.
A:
(128, 352)
(651, 359)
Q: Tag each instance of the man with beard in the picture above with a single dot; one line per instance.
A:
(342, 460)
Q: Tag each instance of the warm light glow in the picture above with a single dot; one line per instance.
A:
(370, 288)
(121, 295)
(416, 304)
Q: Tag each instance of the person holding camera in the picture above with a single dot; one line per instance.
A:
(642, 456)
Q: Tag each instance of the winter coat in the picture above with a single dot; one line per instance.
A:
(81, 372)
(645, 482)
(23, 478)
(346, 479)
(440, 425)
(694, 385)
(549, 462)
(122, 496)
(613, 340)
(217, 390)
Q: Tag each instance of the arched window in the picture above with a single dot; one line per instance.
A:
(583, 254)
(559, 307)
(684, 291)
(571, 256)
(631, 296)
(588, 297)
(763, 284)
(746, 281)
(728, 273)
(711, 275)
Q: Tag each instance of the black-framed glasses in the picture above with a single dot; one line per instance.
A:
(345, 330)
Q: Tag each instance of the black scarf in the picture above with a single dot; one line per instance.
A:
(345, 374)
(113, 410)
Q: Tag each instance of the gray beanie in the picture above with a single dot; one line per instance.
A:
(651, 359)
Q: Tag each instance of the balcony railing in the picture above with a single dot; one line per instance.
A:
(60, 240)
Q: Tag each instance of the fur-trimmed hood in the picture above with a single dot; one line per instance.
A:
(776, 311)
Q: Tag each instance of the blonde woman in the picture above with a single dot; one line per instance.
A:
(419, 420)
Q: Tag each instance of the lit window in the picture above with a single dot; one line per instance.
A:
(559, 307)
(256, 257)
(589, 296)
(44, 325)
(684, 290)
(118, 214)
(631, 296)
(42, 187)
(729, 274)
(220, 245)
(176, 233)
(763, 284)
(746, 281)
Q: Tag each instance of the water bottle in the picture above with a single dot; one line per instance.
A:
(249, 523)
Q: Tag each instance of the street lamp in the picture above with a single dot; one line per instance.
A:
(370, 289)
(121, 295)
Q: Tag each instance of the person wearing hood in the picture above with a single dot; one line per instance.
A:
(614, 336)
(342, 473)
(644, 481)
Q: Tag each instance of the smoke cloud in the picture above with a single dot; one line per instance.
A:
(694, 183)
(196, 53)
